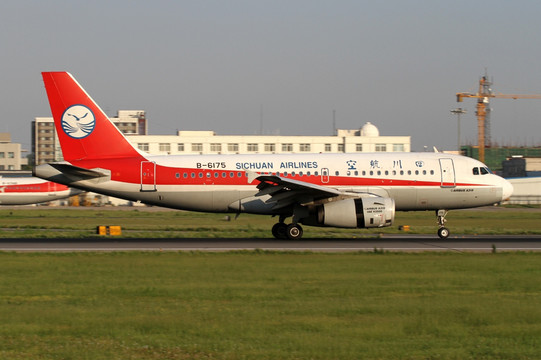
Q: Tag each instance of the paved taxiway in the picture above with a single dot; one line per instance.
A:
(386, 243)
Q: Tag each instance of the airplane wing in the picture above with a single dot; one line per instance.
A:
(284, 192)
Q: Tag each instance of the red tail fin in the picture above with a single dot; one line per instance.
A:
(84, 131)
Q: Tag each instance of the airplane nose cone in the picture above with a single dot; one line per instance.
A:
(507, 190)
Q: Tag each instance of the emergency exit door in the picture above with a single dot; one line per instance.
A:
(325, 175)
(148, 176)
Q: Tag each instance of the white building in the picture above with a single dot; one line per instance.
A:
(10, 154)
(365, 139)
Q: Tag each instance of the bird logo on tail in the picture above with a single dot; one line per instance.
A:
(78, 121)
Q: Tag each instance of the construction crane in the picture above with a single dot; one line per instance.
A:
(483, 111)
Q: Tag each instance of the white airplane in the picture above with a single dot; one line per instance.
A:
(358, 190)
(31, 190)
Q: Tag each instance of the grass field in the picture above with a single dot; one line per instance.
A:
(259, 305)
(162, 223)
(265, 305)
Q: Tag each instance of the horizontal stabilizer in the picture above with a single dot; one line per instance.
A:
(64, 173)
(79, 172)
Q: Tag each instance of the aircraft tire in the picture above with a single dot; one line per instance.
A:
(279, 231)
(294, 231)
(443, 232)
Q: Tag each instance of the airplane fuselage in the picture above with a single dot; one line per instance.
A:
(225, 183)
(31, 190)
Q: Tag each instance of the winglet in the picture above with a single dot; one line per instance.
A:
(84, 131)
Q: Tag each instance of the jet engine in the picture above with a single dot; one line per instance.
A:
(369, 212)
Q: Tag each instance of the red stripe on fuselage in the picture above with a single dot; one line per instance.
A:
(129, 170)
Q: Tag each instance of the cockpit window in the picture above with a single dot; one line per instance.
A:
(482, 171)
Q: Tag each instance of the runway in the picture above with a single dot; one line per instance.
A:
(395, 243)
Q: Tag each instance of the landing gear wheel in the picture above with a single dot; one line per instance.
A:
(279, 230)
(294, 231)
(443, 233)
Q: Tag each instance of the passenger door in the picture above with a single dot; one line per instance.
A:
(447, 168)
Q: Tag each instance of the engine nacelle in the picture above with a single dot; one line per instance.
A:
(369, 212)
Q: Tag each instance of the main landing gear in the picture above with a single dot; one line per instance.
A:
(294, 231)
(284, 231)
(443, 232)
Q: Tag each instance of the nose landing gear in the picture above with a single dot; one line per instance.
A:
(443, 232)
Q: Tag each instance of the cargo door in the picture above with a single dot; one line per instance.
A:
(148, 176)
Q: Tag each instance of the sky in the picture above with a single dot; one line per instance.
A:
(283, 66)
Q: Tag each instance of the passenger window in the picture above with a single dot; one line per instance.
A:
(475, 171)
(337, 173)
